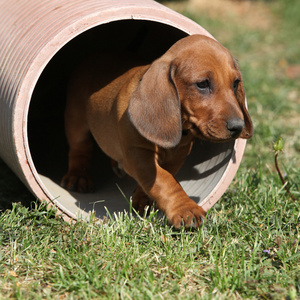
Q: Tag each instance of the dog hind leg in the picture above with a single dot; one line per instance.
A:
(140, 201)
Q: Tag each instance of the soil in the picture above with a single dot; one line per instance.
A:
(255, 14)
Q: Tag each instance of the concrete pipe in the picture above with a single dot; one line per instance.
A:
(40, 42)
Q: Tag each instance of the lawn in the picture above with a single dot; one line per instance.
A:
(249, 246)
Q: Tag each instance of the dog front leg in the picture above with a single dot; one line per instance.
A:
(164, 190)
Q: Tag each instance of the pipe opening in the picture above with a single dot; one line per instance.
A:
(200, 174)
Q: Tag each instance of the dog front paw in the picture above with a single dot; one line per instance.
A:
(76, 182)
(187, 215)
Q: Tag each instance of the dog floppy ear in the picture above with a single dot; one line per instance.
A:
(154, 107)
(248, 130)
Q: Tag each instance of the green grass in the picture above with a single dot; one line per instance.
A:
(249, 247)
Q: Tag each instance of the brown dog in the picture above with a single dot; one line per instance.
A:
(138, 116)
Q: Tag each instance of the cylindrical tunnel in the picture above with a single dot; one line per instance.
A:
(40, 43)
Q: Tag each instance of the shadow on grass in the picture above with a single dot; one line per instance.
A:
(12, 189)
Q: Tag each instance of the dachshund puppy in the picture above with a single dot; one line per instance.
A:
(146, 117)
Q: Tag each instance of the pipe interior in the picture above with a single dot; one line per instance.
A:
(47, 142)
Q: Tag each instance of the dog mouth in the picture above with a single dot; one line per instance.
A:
(211, 135)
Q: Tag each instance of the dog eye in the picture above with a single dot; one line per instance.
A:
(236, 84)
(203, 86)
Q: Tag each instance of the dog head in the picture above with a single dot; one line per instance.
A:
(197, 86)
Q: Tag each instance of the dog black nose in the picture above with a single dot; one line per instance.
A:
(235, 126)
